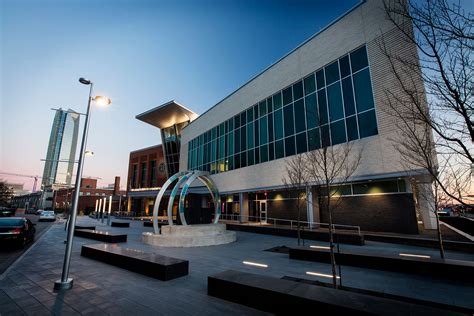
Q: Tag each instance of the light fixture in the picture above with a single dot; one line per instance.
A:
(261, 265)
(415, 256)
(84, 81)
(102, 101)
(89, 153)
(321, 275)
(320, 247)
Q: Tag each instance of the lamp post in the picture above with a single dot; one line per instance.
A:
(65, 282)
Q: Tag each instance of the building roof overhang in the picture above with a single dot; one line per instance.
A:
(167, 115)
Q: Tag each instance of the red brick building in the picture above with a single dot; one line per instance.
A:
(146, 175)
(88, 195)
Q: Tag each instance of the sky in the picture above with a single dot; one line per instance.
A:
(140, 54)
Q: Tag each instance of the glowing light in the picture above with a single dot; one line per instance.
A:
(413, 255)
(320, 247)
(261, 265)
(322, 275)
(102, 101)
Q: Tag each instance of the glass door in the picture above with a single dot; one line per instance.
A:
(263, 212)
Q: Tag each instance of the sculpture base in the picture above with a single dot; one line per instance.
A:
(190, 236)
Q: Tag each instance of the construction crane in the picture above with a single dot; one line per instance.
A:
(24, 176)
(36, 177)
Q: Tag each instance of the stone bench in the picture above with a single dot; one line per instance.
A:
(84, 227)
(149, 264)
(120, 224)
(100, 235)
(150, 223)
(447, 268)
(282, 296)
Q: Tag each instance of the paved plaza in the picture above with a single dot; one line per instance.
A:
(99, 288)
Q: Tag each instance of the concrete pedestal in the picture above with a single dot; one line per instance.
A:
(190, 236)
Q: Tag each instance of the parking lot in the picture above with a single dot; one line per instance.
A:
(9, 254)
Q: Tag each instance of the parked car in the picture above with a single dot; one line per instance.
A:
(7, 211)
(16, 231)
(47, 216)
(38, 212)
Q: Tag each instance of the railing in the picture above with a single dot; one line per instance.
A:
(269, 221)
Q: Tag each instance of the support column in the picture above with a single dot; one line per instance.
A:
(309, 206)
(423, 192)
(244, 207)
(316, 214)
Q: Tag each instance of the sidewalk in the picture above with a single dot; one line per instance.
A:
(102, 289)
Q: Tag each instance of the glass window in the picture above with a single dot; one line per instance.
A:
(230, 163)
(243, 118)
(351, 126)
(313, 139)
(348, 96)
(290, 146)
(237, 161)
(270, 105)
(270, 127)
(250, 158)
(221, 147)
(237, 140)
(323, 109)
(301, 145)
(325, 138)
(320, 79)
(287, 96)
(288, 120)
(221, 129)
(338, 132)
(262, 107)
(264, 153)
(257, 155)
(250, 135)
(250, 115)
(345, 68)
(332, 73)
(311, 111)
(231, 125)
(277, 103)
(359, 59)
(363, 91)
(263, 130)
(336, 111)
(230, 147)
(255, 111)
(257, 133)
(367, 124)
(298, 90)
(279, 149)
(237, 121)
(243, 159)
(243, 139)
(309, 84)
(300, 121)
(271, 151)
(278, 124)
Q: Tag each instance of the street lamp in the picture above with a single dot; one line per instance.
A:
(65, 282)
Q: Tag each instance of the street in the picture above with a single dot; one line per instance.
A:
(8, 255)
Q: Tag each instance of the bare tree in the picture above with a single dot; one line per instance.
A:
(296, 182)
(330, 168)
(440, 120)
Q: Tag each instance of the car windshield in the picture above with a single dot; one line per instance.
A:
(11, 221)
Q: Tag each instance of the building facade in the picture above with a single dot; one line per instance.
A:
(59, 163)
(146, 174)
(328, 91)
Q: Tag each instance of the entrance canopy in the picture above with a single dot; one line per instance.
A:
(167, 115)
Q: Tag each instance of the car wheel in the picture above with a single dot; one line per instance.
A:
(21, 243)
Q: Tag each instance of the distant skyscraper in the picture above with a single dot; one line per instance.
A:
(61, 149)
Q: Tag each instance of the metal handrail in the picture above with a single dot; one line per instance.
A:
(238, 217)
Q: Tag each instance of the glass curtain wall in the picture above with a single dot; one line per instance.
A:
(330, 106)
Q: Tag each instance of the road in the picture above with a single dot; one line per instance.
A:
(8, 255)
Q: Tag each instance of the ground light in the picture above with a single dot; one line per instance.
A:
(414, 255)
(321, 275)
(261, 265)
(320, 247)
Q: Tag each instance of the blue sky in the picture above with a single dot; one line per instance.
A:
(140, 54)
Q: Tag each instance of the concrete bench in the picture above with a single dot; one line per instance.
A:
(341, 237)
(120, 224)
(149, 264)
(100, 235)
(84, 227)
(447, 268)
(282, 296)
(150, 224)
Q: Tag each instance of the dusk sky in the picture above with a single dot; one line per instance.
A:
(140, 54)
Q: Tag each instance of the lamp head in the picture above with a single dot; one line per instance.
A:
(84, 81)
(102, 101)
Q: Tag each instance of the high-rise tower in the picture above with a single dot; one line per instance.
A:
(61, 153)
